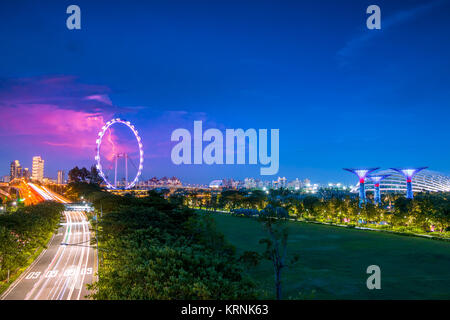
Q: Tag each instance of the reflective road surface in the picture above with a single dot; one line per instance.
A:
(62, 270)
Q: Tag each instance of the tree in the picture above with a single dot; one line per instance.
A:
(24, 231)
(83, 175)
(250, 258)
(274, 222)
(231, 199)
(8, 246)
(94, 176)
(154, 248)
(75, 175)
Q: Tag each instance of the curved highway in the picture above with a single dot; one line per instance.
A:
(61, 271)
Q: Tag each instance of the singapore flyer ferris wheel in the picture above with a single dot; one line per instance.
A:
(116, 155)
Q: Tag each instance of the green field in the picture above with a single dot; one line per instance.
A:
(333, 261)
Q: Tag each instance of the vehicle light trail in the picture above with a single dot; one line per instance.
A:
(47, 194)
(42, 193)
(55, 196)
(62, 271)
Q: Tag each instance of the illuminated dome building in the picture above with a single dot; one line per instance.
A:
(423, 181)
(215, 184)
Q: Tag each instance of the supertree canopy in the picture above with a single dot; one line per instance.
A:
(362, 173)
(409, 173)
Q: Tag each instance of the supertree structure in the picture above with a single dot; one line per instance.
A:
(362, 173)
(409, 173)
(376, 183)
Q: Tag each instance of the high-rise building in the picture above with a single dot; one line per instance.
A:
(15, 170)
(249, 183)
(38, 169)
(295, 184)
(282, 182)
(61, 177)
(26, 173)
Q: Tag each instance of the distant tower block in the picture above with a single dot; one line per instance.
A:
(376, 183)
(362, 174)
(409, 174)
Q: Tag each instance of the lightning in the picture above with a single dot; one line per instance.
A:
(110, 140)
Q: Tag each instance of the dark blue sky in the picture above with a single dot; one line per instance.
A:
(341, 95)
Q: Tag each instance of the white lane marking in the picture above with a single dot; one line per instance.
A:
(33, 275)
(77, 223)
(58, 255)
(70, 253)
(76, 257)
(30, 293)
(65, 252)
(51, 274)
(80, 261)
(87, 270)
(79, 273)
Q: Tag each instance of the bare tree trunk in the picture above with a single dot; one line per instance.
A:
(278, 283)
(278, 265)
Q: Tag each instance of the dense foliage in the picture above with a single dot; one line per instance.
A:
(151, 248)
(427, 212)
(24, 231)
(83, 183)
(92, 176)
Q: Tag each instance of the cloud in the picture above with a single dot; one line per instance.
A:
(103, 98)
(53, 111)
(60, 117)
(358, 42)
(64, 91)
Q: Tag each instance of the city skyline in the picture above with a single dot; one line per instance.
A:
(61, 176)
(274, 66)
(430, 181)
(244, 151)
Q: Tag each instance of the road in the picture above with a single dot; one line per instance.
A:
(61, 271)
(42, 193)
(31, 193)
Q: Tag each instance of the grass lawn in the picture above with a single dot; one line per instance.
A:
(333, 261)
